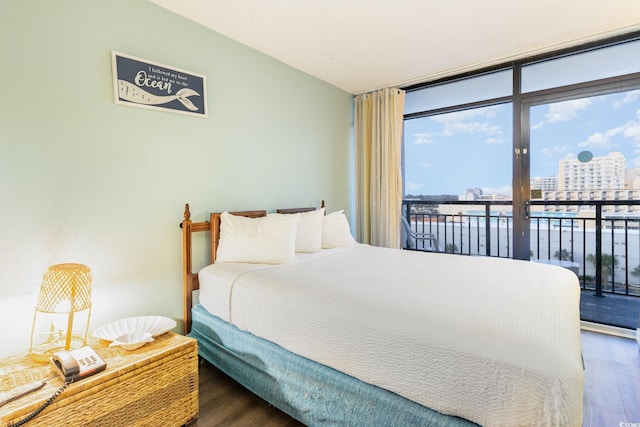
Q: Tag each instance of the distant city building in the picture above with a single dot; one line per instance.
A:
(601, 178)
(632, 179)
(544, 183)
(600, 173)
(475, 194)
(471, 194)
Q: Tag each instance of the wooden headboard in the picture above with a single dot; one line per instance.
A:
(190, 281)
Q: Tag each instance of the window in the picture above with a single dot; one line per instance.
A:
(458, 133)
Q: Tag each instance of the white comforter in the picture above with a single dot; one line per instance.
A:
(494, 341)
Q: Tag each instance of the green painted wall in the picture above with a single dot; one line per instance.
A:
(85, 180)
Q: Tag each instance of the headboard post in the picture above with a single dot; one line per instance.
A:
(214, 220)
(187, 266)
(189, 279)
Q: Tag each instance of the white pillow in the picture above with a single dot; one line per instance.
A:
(309, 234)
(335, 231)
(264, 240)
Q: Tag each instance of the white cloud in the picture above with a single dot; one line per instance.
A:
(470, 122)
(567, 110)
(605, 139)
(553, 151)
(504, 190)
(628, 131)
(597, 139)
(423, 138)
(564, 111)
(630, 97)
(632, 131)
(413, 187)
(425, 165)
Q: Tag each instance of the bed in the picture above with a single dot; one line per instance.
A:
(341, 333)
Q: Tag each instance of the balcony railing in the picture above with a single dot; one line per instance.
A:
(592, 238)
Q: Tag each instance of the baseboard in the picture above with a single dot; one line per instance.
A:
(609, 330)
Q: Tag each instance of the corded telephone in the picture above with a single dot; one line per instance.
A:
(77, 364)
(71, 366)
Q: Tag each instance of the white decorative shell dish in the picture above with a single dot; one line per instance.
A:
(154, 325)
(132, 340)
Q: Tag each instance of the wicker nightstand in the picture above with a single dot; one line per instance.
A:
(154, 385)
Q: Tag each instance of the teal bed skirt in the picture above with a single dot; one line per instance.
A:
(314, 394)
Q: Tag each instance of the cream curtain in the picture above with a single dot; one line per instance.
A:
(378, 145)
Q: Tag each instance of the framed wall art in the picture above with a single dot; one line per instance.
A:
(141, 83)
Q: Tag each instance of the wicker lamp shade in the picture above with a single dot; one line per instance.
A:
(65, 282)
(65, 293)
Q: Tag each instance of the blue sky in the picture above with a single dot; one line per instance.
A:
(449, 153)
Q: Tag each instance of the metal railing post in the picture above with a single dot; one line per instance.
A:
(487, 229)
(407, 241)
(599, 250)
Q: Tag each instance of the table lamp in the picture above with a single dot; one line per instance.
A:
(63, 310)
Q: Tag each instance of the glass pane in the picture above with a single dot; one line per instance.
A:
(588, 149)
(610, 61)
(451, 153)
(606, 129)
(487, 86)
(466, 156)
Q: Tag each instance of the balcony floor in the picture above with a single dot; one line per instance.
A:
(610, 309)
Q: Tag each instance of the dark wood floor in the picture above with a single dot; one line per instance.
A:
(611, 396)
(224, 402)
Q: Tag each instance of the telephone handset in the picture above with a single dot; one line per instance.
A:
(77, 364)
(71, 366)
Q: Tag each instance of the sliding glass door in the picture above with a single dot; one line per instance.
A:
(585, 155)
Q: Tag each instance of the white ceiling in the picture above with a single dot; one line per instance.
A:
(362, 45)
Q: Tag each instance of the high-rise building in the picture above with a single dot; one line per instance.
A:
(600, 178)
(544, 183)
(600, 173)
